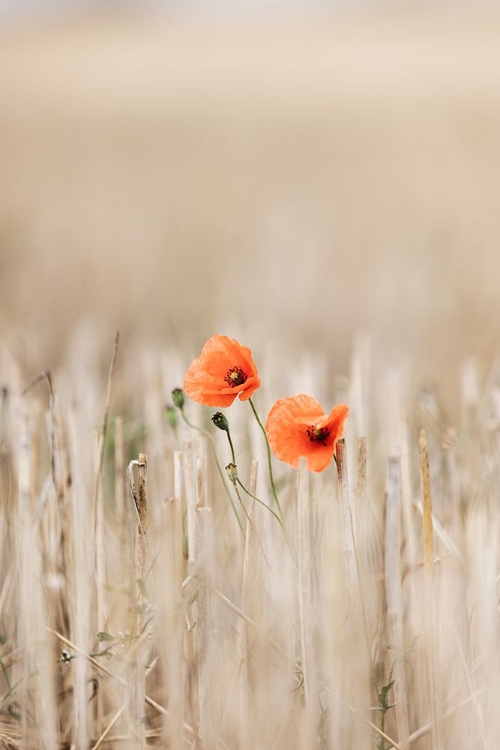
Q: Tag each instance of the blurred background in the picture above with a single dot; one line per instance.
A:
(290, 172)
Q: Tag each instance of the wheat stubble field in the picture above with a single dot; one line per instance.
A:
(324, 189)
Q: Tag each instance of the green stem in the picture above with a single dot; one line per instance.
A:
(219, 467)
(269, 462)
(233, 457)
(280, 521)
(250, 522)
(257, 499)
(254, 497)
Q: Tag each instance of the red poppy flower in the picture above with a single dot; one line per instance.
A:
(224, 370)
(298, 427)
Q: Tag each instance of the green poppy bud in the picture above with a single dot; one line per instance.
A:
(178, 398)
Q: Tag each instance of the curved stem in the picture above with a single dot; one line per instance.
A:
(257, 499)
(250, 494)
(280, 521)
(250, 522)
(277, 516)
(219, 467)
(269, 462)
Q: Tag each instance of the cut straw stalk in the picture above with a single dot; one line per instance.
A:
(361, 508)
(172, 608)
(104, 427)
(203, 611)
(83, 556)
(139, 497)
(32, 694)
(241, 676)
(97, 510)
(138, 655)
(189, 533)
(60, 482)
(310, 718)
(394, 598)
(190, 492)
(359, 635)
(351, 581)
(410, 531)
(142, 515)
(24, 583)
(178, 528)
(120, 490)
(433, 671)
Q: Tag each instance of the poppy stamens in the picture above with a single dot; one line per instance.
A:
(318, 436)
(236, 376)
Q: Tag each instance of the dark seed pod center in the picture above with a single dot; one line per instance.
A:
(236, 376)
(318, 436)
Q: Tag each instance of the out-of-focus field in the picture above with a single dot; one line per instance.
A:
(305, 177)
(292, 182)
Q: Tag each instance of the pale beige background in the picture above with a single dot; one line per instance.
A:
(297, 177)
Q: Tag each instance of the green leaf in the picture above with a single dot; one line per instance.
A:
(102, 636)
(383, 695)
(378, 671)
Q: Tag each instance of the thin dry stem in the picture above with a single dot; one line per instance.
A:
(394, 597)
(203, 611)
(97, 510)
(104, 428)
(437, 732)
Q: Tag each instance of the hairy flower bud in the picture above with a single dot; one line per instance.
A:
(178, 398)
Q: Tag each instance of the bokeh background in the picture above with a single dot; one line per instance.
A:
(292, 174)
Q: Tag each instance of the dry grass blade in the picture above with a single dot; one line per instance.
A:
(394, 597)
(427, 498)
(101, 668)
(104, 428)
(110, 726)
(432, 638)
(352, 589)
(97, 510)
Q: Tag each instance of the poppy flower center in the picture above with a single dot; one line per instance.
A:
(318, 436)
(235, 376)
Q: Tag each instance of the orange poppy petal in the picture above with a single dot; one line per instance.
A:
(288, 429)
(220, 353)
(251, 386)
(336, 419)
(206, 379)
(321, 458)
(300, 409)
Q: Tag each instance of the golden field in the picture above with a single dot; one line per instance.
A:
(324, 187)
